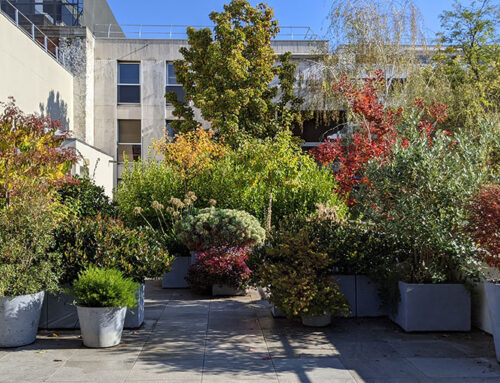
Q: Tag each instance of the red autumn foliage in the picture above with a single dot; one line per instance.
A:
(375, 135)
(485, 222)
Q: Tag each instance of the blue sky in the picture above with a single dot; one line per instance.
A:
(311, 13)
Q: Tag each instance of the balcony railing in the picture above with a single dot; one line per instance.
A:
(141, 31)
(24, 24)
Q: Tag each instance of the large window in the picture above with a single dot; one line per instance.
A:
(129, 84)
(172, 85)
(129, 140)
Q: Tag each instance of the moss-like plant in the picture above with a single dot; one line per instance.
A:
(96, 287)
(215, 228)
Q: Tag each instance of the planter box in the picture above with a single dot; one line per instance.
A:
(135, 317)
(101, 326)
(433, 307)
(347, 286)
(226, 290)
(176, 278)
(277, 313)
(58, 311)
(19, 318)
(367, 299)
(316, 321)
(492, 291)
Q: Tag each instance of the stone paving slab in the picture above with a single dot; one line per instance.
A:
(190, 338)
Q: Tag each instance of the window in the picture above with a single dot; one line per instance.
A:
(129, 140)
(129, 85)
(172, 84)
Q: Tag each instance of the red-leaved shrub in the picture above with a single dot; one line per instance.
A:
(220, 266)
(485, 222)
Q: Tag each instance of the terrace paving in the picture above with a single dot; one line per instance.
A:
(188, 338)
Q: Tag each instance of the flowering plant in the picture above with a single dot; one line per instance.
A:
(220, 266)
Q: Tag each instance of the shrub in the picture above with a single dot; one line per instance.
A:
(217, 228)
(99, 287)
(484, 225)
(222, 266)
(26, 225)
(299, 277)
(107, 242)
(85, 198)
(418, 198)
(245, 179)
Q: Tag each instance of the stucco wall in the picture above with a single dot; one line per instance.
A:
(97, 164)
(34, 78)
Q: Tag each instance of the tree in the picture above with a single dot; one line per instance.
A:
(470, 62)
(227, 73)
(190, 154)
(366, 36)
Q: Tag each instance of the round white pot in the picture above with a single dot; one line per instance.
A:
(101, 326)
(492, 291)
(19, 317)
(316, 320)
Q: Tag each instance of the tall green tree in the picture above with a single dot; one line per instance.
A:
(471, 61)
(230, 74)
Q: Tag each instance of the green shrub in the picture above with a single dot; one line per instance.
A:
(418, 199)
(26, 226)
(299, 277)
(214, 228)
(99, 287)
(85, 198)
(107, 242)
(245, 179)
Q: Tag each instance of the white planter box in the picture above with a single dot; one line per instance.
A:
(347, 286)
(367, 298)
(59, 312)
(19, 318)
(101, 326)
(433, 307)
(226, 290)
(135, 317)
(176, 278)
(493, 298)
(316, 321)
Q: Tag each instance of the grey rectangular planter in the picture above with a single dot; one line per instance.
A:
(433, 307)
(493, 298)
(224, 290)
(135, 317)
(59, 312)
(176, 278)
(347, 286)
(367, 298)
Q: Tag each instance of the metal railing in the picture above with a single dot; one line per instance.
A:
(142, 31)
(23, 23)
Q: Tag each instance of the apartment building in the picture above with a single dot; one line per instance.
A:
(107, 83)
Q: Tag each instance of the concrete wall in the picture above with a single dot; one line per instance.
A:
(94, 163)
(34, 78)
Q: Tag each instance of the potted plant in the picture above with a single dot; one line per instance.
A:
(106, 242)
(484, 228)
(417, 199)
(299, 281)
(103, 297)
(220, 240)
(219, 228)
(221, 270)
(27, 268)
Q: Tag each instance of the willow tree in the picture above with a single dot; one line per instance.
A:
(230, 74)
(366, 36)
